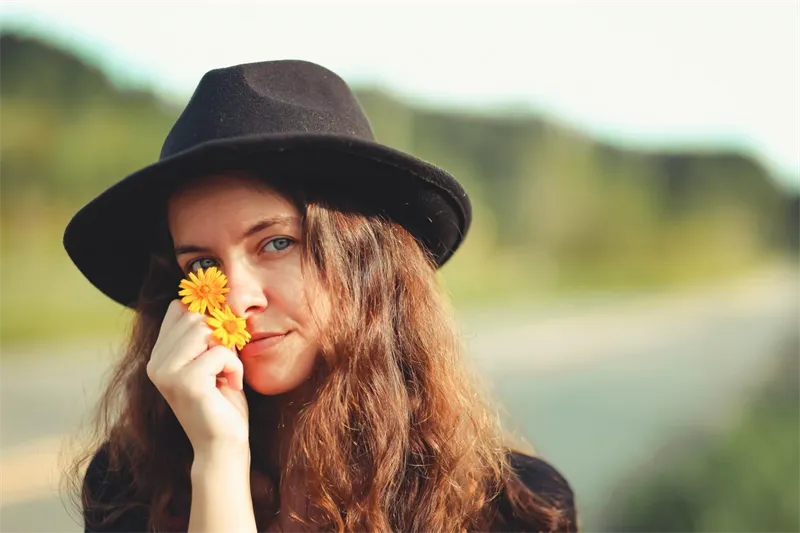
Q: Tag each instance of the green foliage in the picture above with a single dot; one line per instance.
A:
(34, 70)
(66, 131)
(787, 235)
(747, 479)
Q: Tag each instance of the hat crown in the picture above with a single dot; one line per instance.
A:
(270, 97)
(291, 117)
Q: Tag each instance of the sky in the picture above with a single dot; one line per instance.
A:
(644, 74)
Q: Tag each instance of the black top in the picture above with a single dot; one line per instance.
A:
(536, 474)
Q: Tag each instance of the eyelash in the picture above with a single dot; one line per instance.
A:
(292, 241)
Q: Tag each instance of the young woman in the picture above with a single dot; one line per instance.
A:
(348, 409)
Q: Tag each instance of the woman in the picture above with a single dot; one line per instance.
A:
(348, 409)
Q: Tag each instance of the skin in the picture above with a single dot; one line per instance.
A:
(219, 221)
(252, 233)
(268, 287)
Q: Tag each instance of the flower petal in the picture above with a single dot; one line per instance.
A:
(226, 340)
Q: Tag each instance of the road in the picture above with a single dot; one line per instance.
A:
(597, 386)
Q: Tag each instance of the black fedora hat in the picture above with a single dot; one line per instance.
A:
(293, 118)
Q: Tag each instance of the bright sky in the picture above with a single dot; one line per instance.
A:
(647, 73)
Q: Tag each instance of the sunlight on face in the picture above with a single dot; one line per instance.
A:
(253, 234)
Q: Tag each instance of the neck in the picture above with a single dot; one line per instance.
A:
(272, 424)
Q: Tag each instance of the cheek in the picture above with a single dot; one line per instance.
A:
(323, 306)
(304, 300)
(285, 283)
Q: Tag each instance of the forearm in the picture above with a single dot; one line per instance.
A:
(221, 499)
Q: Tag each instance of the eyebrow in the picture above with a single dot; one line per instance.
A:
(281, 220)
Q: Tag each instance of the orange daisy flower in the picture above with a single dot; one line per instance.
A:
(204, 290)
(229, 328)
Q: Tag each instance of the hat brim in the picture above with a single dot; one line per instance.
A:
(111, 238)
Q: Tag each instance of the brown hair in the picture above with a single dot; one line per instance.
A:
(396, 436)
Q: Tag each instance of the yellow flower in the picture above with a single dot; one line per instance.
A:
(229, 328)
(205, 290)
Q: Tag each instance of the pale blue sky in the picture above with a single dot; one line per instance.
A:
(645, 73)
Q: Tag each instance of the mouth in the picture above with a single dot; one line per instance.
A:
(261, 342)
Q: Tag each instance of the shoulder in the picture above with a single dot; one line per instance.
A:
(536, 497)
(98, 466)
(97, 479)
(106, 489)
(540, 477)
(104, 481)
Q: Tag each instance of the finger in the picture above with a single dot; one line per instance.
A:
(190, 341)
(187, 324)
(183, 340)
(218, 360)
(175, 311)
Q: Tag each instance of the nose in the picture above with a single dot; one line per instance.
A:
(246, 297)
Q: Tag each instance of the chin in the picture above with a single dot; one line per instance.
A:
(271, 388)
(268, 378)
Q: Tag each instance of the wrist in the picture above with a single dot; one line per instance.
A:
(221, 456)
(221, 491)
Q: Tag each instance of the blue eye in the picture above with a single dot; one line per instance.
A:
(278, 245)
(203, 262)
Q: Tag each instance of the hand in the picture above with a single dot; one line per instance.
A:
(202, 382)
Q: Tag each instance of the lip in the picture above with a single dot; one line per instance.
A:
(260, 342)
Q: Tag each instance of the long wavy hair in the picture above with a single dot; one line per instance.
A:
(396, 436)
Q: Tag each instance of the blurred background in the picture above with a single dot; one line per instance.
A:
(629, 287)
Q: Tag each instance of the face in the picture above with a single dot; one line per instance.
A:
(253, 235)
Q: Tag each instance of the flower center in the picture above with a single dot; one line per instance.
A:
(204, 290)
(230, 326)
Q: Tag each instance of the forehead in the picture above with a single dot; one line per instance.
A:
(225, 200)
